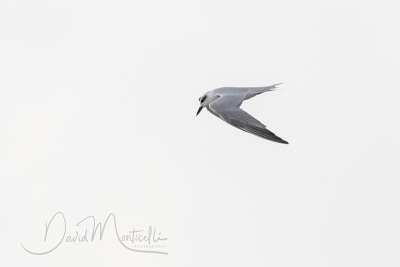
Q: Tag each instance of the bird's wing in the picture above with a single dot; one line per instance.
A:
(228, 109)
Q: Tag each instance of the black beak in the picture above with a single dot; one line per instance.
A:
(200, 108)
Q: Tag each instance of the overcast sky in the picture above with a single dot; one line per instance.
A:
(97, 112)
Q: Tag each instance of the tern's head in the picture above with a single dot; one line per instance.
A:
(204, 101)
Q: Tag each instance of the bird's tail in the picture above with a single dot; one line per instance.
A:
(259, 90)
(272, 87)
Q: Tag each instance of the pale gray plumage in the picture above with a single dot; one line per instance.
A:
(225, 104)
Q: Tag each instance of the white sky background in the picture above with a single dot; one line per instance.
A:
(97, 111)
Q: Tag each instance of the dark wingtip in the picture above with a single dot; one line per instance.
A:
(282, 141)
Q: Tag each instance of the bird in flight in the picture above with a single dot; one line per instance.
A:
(225, 104)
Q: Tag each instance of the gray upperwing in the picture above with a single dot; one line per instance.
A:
(228, 109)
(224, 103)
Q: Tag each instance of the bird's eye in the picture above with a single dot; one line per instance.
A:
(203, 98)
